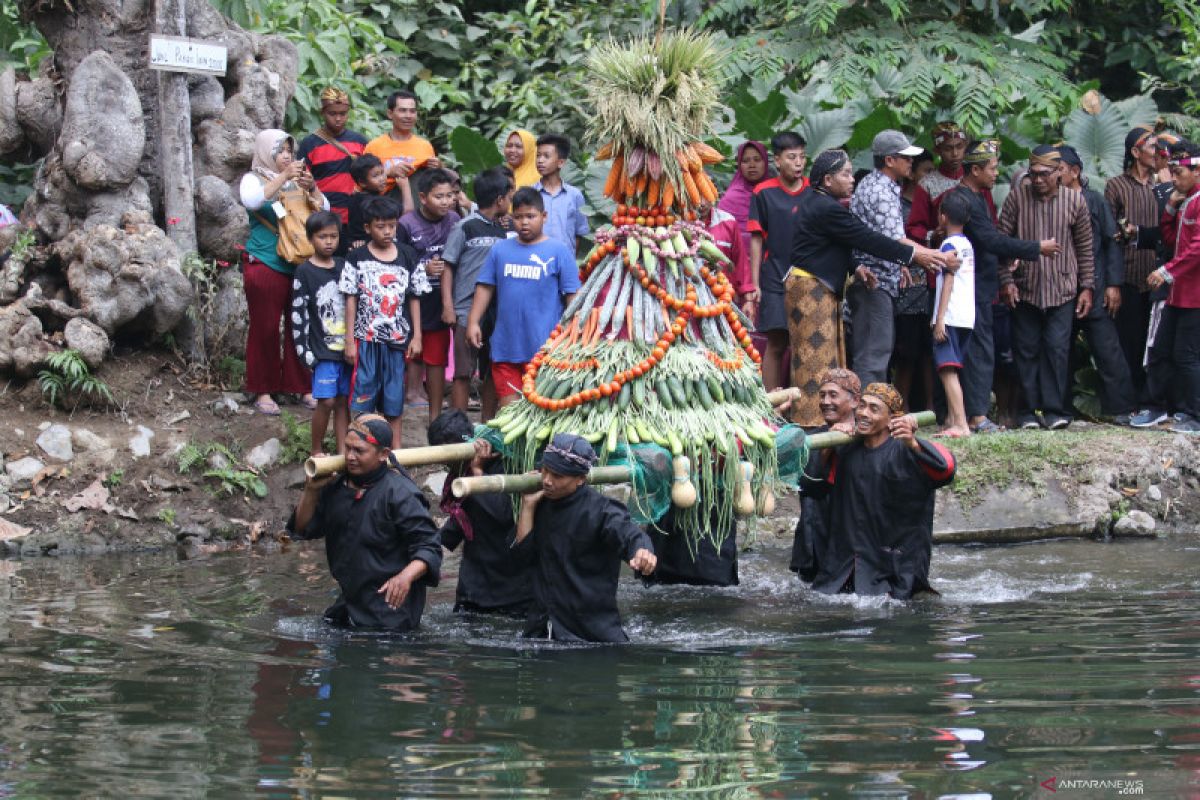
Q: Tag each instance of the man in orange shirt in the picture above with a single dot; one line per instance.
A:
(402, 151)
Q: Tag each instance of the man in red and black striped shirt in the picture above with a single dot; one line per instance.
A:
(329, 151)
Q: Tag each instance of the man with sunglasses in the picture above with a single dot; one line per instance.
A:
(1046, 294)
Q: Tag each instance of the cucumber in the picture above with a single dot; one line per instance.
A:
(714, 388)
(624, 397)
(543, 433)
(594, 437)
(706, 398)
(563, 389)
(677, 393)
(514, 432)
(631, 434)
(676, 444)
(639, 393)
(664, 394)
(614, 430)
(644, 431)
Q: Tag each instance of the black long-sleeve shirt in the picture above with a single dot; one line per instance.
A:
(489, 578)
(1110, 261)
(826, 233)
(990, 246)
(881, 527)
(370, 535)
(576, 546)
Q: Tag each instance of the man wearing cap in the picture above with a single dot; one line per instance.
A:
(950, 143)
(826, 233)
(980, 170)
(382, 547)
(1131, 195)
(876, 285)
(837, 398)
(329, 152)
(576, 538)
(1046, 294)
(1116, 387)
(881, 491)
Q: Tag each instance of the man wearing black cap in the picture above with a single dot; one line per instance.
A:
(876, 285)
(826, 233)
(1046, 293)
(576, 538)
(1116, 387)
(382, 547)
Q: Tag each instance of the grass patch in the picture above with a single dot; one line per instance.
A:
(1001, 459)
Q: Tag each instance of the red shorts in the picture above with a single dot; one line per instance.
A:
(435, 348)
(507, 378)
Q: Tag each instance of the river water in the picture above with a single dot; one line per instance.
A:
(145, 676)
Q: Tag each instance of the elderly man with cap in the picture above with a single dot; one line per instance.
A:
(980, 170)
(881, 489)
(1047, 293)
(872, 295)
(826, 233)
(329, 151)
(837, 398)
(382, 546)
(1116, 386)
(950, 143)
(576, 539)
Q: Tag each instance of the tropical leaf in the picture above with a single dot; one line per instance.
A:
(759, 120)
(1099, 139)
(1137, 110)
(473, 151)
(827, 129)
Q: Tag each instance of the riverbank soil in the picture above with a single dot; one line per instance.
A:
(175, 461)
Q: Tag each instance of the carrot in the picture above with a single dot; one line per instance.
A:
(614, 176)
(693, 191)
(589, 335)
(652, 191)
(665, 315)
(629, 320)
(568, 335)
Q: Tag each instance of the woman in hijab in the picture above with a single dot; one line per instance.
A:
(271, 365)
(520, 153)
(751, 170)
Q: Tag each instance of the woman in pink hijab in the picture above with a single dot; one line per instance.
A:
(751, 170)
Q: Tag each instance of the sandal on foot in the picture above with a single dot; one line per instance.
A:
(987, 426)
(268, 407)
(309, 402)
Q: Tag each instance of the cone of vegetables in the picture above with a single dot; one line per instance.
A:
(652, 349)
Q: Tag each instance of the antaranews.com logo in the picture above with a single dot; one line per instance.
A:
(1115, 787)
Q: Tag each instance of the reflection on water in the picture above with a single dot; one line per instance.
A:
(143, 676)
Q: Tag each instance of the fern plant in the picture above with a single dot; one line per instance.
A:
(194, 454)
(67, 375)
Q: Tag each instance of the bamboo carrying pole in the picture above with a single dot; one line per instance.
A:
(416, 456)
(620, 474)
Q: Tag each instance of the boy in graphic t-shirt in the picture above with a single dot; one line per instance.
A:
(531, 277)
(954, 309)
(379, 281)
(426, 230)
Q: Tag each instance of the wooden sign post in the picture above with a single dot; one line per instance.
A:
(175, 56)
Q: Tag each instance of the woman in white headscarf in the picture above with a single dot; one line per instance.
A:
(272, 365)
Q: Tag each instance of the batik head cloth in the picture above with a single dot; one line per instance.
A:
(331, 96)
(844, 378)
(982, 151)
(373, 429)
(568, 454)
(888, 394)
(947, 131)
(1045, 155)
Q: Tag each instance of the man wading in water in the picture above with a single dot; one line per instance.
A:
(382, 547)
(576, 539)
(881, 491)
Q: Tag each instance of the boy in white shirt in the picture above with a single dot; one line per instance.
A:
(954, 310)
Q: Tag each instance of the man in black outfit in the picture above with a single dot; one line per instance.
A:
(379, 538)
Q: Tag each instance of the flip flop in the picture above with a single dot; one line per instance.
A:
(987, 426)
(309, 402)
(949, 434)
(268, 407)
